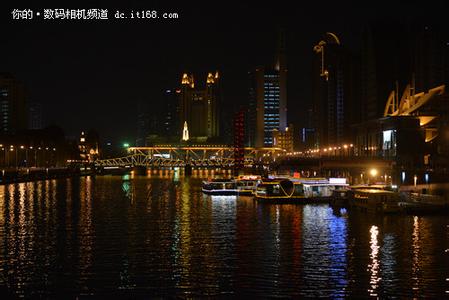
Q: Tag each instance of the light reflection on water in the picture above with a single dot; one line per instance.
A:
(373, 267)
(158, 235)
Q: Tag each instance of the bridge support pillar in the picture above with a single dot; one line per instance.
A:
(140, 170)
(188, 170)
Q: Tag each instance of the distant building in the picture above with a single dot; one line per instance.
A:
(239, 140)
(35, 115)
(335, 92)
(89, 146)
(170, 118)
(307, 133)
(284, 139)
(394, 55)
(13, 113)
(413, 132)
(143, 128)
(199, 107)
(430, 57)
(268, 100)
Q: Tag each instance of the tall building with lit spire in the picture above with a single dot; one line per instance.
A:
(336, 97)
(199, 107)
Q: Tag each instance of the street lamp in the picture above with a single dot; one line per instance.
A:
(23, 147)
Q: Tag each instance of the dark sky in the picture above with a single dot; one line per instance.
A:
(92, 74)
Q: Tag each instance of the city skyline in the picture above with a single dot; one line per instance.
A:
(203, 149)
(97, 72)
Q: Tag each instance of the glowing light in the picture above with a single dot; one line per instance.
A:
(373, 172)
(210, 78)
(125, 145)
(185, 132)
(374, 265)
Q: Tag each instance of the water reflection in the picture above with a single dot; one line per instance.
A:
(373, 267)
(86, 232)
(160, 236)
(338, 249)
(416, 255)
(324, 251)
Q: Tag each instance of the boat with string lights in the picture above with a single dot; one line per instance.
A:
(220, 187)
(282, 190)
(246, 184)
(298, 190)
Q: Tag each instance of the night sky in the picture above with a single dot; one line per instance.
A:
(93, 73)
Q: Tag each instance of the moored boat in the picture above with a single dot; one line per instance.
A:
(220, 187)
(423, 203)
(280, 190)
(375, 200)
(246, 184)
(322, 187)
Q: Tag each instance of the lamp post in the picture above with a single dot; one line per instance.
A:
(22, 147)
(39, 156)
(373, 173)
(31, 148)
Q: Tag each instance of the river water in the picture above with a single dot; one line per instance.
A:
(158, 235)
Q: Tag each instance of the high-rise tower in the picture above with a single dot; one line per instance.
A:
(335, 92)
(13, 113)
(200, 107)
(268, 99)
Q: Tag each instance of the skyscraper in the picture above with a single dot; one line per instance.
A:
(430, 57)
(394, 56)
(268, 100)
(335, 92)
(35, 115)
(199, 106)
(171, 113)
(13, 113)
(385, 63)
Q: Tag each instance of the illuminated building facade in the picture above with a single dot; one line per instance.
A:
(412, 132)
(199, 108)
(13, 113)
(89, 146)
(268, 100)
(284, 139)
(239, 139)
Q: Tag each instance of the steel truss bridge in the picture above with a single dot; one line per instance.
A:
(195, 156)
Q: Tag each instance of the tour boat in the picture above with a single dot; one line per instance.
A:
(375, 200)
(220, 187)
(310, 190)
(280, 190)
(322, 187)
(246, 184)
